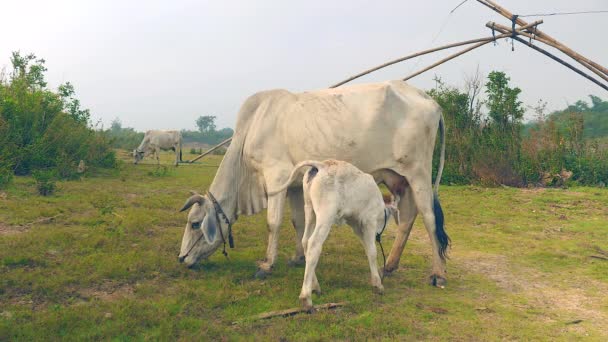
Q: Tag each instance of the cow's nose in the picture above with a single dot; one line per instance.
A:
(181, 259)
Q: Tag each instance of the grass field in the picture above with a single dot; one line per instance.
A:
(98, 260)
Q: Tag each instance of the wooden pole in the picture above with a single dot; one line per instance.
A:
(504, 35)
(504, 29)
(211, 150)
(554, 42)
(417, 54)
(555, 58)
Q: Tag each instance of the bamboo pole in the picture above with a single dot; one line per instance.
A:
(504, 29)
(417, 54)
(211, 150)
(504, 35)
(551, 41)
(555, 58)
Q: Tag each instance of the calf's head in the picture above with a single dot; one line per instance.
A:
(200, 238)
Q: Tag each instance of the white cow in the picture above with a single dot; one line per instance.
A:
(385, 129)
(334, 192)
(155, 141)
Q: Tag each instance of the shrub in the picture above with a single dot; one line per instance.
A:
(6, 176)
(45, 181)
(42, 129)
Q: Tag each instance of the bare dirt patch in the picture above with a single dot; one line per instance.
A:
(567, 302)
(6, 229)
(107, 292)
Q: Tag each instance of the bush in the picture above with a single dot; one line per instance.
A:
(160, 171)
(42, 129)
(45, 181)
(6, 176)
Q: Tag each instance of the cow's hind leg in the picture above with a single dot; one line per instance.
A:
(407, 215)
(296, 203)
(430, 210)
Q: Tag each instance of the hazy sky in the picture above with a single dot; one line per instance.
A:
(161, 64)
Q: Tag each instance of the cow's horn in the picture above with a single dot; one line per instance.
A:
(190, 201)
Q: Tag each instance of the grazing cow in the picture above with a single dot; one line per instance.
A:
(385, 129)
(336, 191)
(155, 141)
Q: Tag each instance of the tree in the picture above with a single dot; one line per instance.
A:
(206, 124)
(503, 103)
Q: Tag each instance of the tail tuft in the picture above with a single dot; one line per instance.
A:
(442, 236)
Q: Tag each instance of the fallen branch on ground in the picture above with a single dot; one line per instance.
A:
(294, 311)
(42, 220)
(601, 257)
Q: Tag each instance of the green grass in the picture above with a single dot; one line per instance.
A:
(106, 268)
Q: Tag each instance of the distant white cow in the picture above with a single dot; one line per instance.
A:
(155, 141)
(334, 192)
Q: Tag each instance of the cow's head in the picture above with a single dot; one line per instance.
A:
(137, 156)
(201, 237)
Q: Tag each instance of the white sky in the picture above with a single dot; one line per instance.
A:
(161, 64)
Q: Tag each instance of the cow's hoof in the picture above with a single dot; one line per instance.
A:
(388, 271)
(296, 261)
(261, 274)
(438, 281)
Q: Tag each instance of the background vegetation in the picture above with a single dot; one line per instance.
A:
(128, 139)
(494, 146)
(44, 130)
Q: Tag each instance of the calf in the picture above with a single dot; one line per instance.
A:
(336, 192)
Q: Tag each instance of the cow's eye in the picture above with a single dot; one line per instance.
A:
(196, 225)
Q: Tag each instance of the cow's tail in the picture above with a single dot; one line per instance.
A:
(440, 233)
(180, 148)
(294, 173)
(441, 155)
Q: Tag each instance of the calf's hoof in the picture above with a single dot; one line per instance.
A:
(262, 274)
(378, 290)
(296, 261)
(438, 281)
(307, 304)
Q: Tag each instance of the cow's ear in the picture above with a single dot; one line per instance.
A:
(191, 200)
(210, 228)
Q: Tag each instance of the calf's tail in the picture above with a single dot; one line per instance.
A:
(294, 173)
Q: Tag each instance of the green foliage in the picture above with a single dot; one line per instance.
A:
(499, 150)
(124, 138)
(45, 181)
(206, 123)
(6, 176)
(42, 129)
(209, 138)
(160, 171)
(503, 102)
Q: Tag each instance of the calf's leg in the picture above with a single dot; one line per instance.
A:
(314, 246)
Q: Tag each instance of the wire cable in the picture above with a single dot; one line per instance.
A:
(563, 13)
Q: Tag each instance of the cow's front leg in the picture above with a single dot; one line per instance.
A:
(276, 205)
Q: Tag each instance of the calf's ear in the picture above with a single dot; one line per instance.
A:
(191, 200)
(394, 211)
